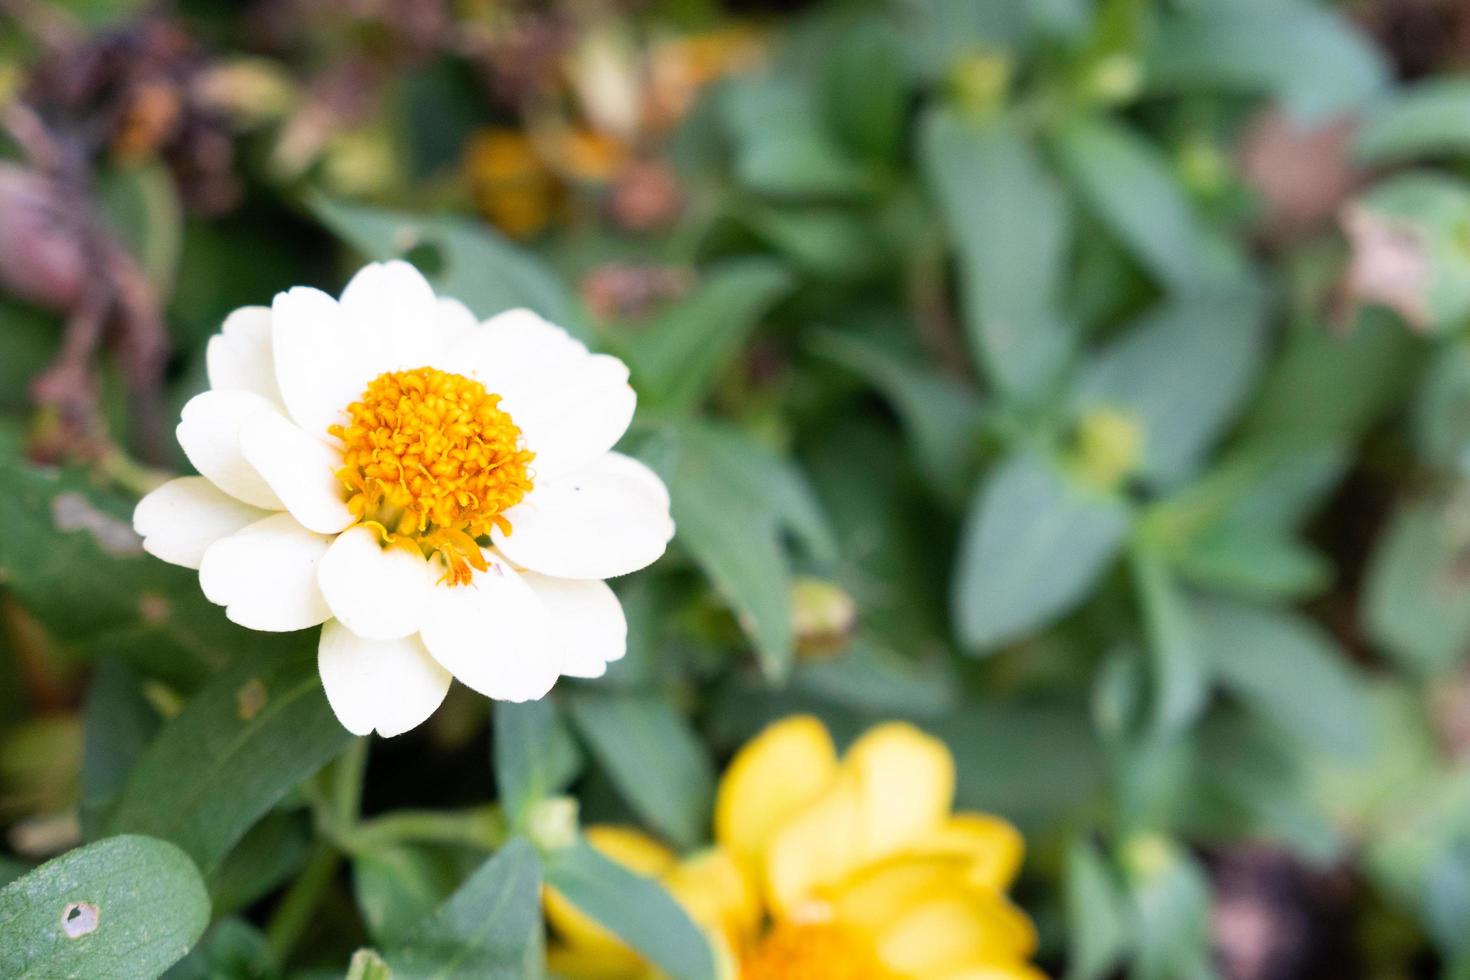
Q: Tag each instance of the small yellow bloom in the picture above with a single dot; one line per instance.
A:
(513, 187)
(828, 868)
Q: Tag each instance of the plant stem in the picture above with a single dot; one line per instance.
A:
(292, 916)
(481, 827)
(346, 787)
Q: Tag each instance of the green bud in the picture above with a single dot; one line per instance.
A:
(1109, 446)
(552, 823)
(981, 82)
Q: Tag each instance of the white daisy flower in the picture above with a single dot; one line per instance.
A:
(439, 495)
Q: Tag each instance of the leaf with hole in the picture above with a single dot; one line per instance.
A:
(124, 906)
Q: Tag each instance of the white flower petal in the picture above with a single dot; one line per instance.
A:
(605, 520)
(576, 414)
(378, 592)
(388, 685)
(587, 622)
(322, 365)
(239, 357)
(455, 322)
(265, 575)
(636, 469)
(391, 306)
(493, 634)
(300, 469)
(209, 432)
(182, 518)
(511, 349)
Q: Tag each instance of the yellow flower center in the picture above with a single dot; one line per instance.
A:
(431, 459)
(814, 951)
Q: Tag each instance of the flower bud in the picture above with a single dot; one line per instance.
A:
(823, 617)
(552, 823)
(1109, 446)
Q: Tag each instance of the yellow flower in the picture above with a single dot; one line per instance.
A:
(512, 185)
(828, 868)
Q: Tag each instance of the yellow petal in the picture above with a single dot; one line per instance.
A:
(717, 894)
(953, 928)
(991, 848)
(635, 851)
(880, 894)
(994, 971)
(907, 780)
(816, 849)
(576, 963)
(631, 848)
(777, 774)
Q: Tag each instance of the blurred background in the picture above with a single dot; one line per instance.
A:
(1084, 380)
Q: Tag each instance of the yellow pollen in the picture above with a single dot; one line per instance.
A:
(431, 459)
(814, 951)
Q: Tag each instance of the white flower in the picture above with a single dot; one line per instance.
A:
(439, 495)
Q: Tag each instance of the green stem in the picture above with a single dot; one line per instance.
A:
(347, 775)
(293, 915)
(481, 827)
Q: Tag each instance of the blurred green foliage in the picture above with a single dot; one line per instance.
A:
(1110, 354)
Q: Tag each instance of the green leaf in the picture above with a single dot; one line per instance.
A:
(489, 928)
(11, 869)
(397, 886)
(635, 908)
(1428, 119)
(267, 856)
(1417, 604)
(1441, 421)
(71, 557)
(463, 259)
(940, 415)
(826, 242)
(1182, 373)
(778, 151)
(1133, 191)
(1447, 900)
(1171, 898)
(941, 32)
(233, 949)
(1011, 229)
(1252, 563)
(1308, 57)
(736, 545)
(119, 724)
(878, 681)
(732, 497)
(657, 762)
(1289, 671)
(1181, 673)
(676, 360)
(534, 755)
(1034, 544)
(1327, 388)
(124, 906)
(235, 749)
(1026, 760)
(1097, 913)
(865, 90)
